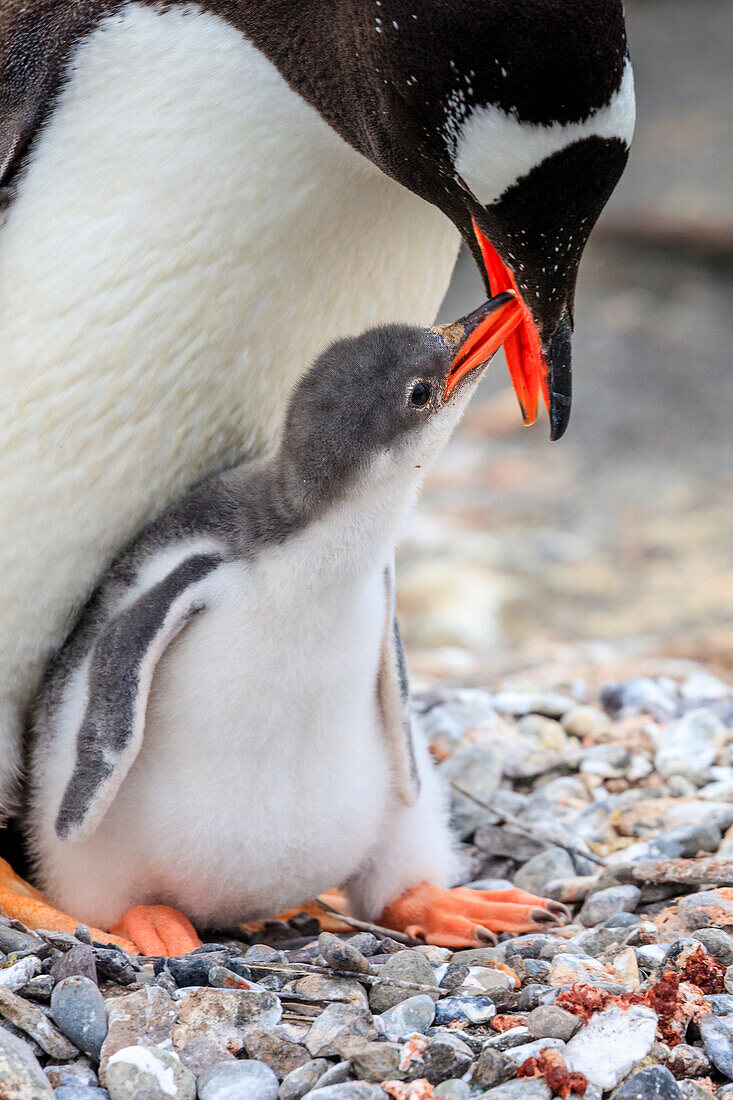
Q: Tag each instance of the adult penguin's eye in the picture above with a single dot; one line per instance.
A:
(420, 394)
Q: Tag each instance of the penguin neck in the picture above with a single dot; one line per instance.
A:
(348, 528)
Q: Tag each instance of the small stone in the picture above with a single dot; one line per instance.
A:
(522, 1088)
(378, 1062)
(687, 1061)
(501, 840)
(607, 903)
(509, 1040)
(688, 746)
(690, 1090)
(518, 703)
(585, 721)
(490, 979)
(14, 942)
(318, 987)
(349, 1090)
(223, 1016)
(405, 966)
(567, 969)
(21, 1077)
(464, 1010)
(552, 863)
(145, 1017)
(708, 907)
(452, 1089)
(337, 1022)
(454, 977)
(341, 954)
(334, 1075)
(245, 1080)
(365, 942)
(537, 969)
(611, 1044)
(415, 1014)
(14, 977)
(521, 1053)
(190, 970)
(442, 1059)
(39, 989)
(301, 1080)
(115, 964)
(199, 1054)
(549, 1021)
(73, 1073)
(721, 1003)
(622, 920)
(277, 1052)
(478, 956)
(717, 943)
(717, 1035)
(492, 1068)
(652, 1083)
(82, 1092)
(152, 1072)
(78, 960)
(79, 1011)
(29, 1018)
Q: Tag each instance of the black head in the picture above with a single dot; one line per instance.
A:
(393, 395)
(511, 116)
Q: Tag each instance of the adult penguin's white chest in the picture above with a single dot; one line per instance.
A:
(187, 235)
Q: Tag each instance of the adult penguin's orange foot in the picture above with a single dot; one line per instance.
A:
(468, 918)
(22, 901)
(158, 930)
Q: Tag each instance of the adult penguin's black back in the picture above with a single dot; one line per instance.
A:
(199, 196)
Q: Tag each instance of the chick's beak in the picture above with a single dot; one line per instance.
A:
(531, 368)
(476, 337)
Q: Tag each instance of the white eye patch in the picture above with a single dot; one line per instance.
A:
(493, 149)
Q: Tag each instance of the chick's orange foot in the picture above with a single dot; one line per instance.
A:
(158, 930)
(468, 918)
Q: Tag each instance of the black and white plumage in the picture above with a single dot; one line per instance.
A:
(227, 729)
(197, 197)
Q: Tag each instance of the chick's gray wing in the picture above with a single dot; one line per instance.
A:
(393, 692)
(120, 671)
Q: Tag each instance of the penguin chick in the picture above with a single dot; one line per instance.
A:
(227, 731)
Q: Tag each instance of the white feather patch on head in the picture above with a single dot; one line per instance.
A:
(493, 149)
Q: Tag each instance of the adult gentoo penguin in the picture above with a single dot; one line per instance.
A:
(199, 196)
(227, 729)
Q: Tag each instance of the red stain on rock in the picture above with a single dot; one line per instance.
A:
(506, 1022)
(551, 1065)
(409, 1090)
(704, 971)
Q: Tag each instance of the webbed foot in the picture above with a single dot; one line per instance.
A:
(158, 930)
(469, 918)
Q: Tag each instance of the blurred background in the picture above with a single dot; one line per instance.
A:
(564, 560)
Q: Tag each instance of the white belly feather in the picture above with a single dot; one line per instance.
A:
(188, 235)
(262, 744)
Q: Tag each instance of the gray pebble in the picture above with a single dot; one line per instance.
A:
(549, 1021)
(521, 1053)
(606, 903)
(13, 942)
(30, 1019)
(365, 942)
(550, 864)
(444, 1057)
(717, 942)
(416, 1014)
(405, 966)
(492, 1068)
(20, 1073)
(73, 1073)
(341, 954)
(334, 1075)
(452, 1089)
(152, 1072)
(244, 1080)
(378, 1062)
(471, 1010)
(302, 1080)
(652, 1083)
(348, 1090)
(15, 976)
(522, 1088)
(81, 1092)
(688, 1061)
(717, 1035)
(198, 1054)
(281, 1054)
(454, 977)
(622, 920)
(79, 1011)
(338, 1022)
(78, 960)
(721, 1003)
(39, 989)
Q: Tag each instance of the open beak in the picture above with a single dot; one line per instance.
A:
(478, 336)
(528, 368)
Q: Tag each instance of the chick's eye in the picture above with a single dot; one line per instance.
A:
(420, 394)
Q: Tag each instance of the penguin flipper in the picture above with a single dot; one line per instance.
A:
(122, 663)
(393, 692)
